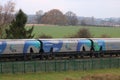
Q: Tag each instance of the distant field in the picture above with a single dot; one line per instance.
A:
(105, 74)
(63, 31)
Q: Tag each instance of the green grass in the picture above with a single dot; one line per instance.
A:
(69, 75)
(54, 31)
(63, 31)
(111, 31)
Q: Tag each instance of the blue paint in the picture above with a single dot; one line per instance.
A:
(2, 46)
(83, 42)
(101, 43)
(12, 48)
(67, 46)
(30, 43)
(48, 44)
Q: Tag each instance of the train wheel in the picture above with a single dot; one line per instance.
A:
(101, 54)
(72, 57)
(116, 54)
(96, 55)
(30, 57)
(47, 57)
(40, 57)
(82, 55)
(52, 57)
(76, 56)
(24, 57)
(44, 57)
(91, 55)
(110, 55)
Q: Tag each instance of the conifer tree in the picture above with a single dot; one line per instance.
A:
(17, 28)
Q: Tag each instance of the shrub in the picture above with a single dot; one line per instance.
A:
(82, 33)
(44, 36)
(105, 36)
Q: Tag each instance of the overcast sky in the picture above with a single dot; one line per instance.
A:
(86, 8)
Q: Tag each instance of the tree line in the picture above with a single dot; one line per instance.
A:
(12, 25)
(56, 17)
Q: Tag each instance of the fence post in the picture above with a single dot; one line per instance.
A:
(74, 65)
(83, 64)
(118, 62)
(109, 62)
(55, 66)
(65, 65)
(34, 66)
(92, 63)
(101, 63)
(24, 67)
(45, 65)
(1, 67)
(13, 68)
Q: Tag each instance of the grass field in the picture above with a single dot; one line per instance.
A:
(105, 74)
(63, 31)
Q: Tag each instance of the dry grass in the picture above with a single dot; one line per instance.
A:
(39, 25)
(99, 77)
(102, 77)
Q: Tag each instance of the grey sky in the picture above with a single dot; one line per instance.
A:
(87, 8)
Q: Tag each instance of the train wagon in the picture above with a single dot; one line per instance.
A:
(107, 46)
(66, 47)
(18, 48)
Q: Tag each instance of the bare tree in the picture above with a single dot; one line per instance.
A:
(71, 18)
(6, 15)
(39, 15)
(83, 22)
(54, 16)
(87, 21)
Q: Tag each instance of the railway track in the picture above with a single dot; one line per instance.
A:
(62, 58)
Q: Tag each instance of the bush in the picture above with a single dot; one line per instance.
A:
(44, 36)
(105, 36)
(82, 33)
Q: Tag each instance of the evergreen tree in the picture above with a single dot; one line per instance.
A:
(17, 27)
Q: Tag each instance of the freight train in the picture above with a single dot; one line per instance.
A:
(64, 47)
